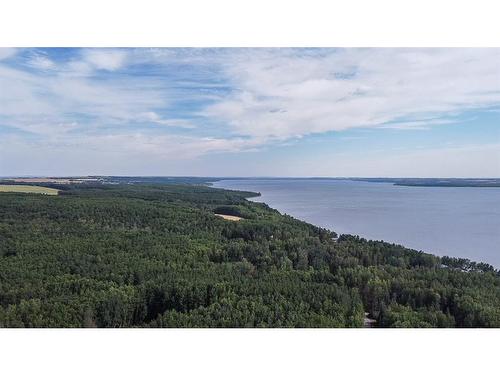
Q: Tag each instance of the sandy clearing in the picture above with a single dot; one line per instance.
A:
(368, 322)
(229, 217)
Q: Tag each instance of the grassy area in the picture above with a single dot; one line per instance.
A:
(27, 189)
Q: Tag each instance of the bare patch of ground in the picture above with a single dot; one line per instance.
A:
(229, 217)
(368, 322)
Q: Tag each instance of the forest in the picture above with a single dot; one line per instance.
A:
(156, 255)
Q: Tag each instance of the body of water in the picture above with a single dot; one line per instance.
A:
(456, 221)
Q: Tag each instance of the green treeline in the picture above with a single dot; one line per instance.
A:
(157, 256)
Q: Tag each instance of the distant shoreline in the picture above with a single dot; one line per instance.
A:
(417, 182)
(398, 181)
(436, 182)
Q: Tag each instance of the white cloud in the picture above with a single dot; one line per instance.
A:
(157, 119)
(42, 62)
(424, 124)
(5, 53)
(28, 98)
(105, 58)
(107, 154)
(282, 94)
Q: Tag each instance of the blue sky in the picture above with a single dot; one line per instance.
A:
(250, 112)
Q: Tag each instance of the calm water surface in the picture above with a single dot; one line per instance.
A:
(460, 222)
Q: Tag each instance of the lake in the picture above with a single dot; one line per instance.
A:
(455, 221)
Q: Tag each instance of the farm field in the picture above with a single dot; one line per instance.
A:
(27, 189)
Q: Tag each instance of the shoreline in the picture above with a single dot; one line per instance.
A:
(260, 195)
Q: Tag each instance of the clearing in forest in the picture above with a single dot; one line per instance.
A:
(229, 217)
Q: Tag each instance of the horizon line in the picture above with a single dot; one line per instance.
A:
(243, 177)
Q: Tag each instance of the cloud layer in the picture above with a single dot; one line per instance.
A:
(178, 104)
(287, 95)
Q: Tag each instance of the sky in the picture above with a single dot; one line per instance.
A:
(367, 112)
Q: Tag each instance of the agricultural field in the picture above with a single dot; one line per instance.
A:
(27, 189)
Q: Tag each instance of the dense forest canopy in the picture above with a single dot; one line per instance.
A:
(156, 255)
